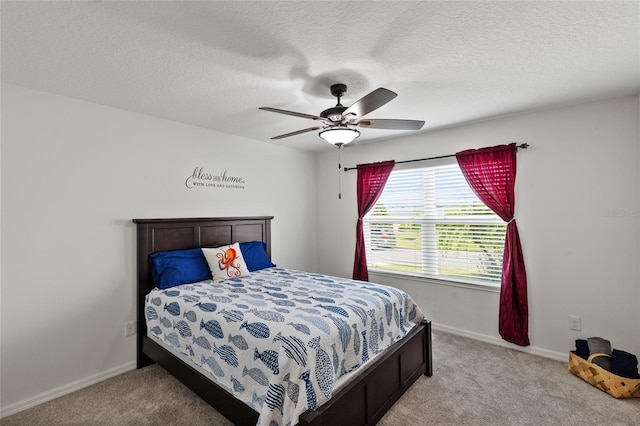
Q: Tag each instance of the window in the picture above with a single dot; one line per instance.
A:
(429, 223)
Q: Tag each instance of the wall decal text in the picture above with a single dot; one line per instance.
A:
(200, 178)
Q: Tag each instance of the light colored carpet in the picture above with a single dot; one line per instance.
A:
(474, 383)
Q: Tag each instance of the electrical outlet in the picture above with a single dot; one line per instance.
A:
(575, 323)
(129, 328)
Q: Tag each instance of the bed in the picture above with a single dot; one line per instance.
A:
(363, 399)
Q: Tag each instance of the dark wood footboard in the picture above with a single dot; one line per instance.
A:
(363, 401)
(378, 386)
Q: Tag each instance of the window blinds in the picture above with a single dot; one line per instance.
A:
(429, 223)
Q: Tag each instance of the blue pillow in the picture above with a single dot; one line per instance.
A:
(255, 255)
(172, 268)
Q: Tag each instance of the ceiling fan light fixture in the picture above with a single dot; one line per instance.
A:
(339, 119)
(339, 135)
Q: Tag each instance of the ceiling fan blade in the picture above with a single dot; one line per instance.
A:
(392, 124)
(370, 102)
(295, 114)
(298, 132)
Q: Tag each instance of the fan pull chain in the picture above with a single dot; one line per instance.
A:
(339, 175)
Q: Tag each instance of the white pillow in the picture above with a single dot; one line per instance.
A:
(226, 262)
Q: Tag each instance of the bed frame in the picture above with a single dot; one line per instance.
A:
(362, 401)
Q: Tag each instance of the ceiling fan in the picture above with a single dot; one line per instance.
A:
(339, 122)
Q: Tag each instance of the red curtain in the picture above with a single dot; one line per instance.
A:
(491, 173)
(371, 181)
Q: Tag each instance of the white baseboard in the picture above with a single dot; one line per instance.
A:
(558, 356)
(63, 390)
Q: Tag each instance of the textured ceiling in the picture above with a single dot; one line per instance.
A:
(213, 63)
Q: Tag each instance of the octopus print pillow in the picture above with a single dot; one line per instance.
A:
(226, 262)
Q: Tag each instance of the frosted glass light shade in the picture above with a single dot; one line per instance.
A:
(339, 135)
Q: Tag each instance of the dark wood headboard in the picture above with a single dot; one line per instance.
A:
(177, 234)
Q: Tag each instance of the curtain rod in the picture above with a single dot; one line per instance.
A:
(522, 145)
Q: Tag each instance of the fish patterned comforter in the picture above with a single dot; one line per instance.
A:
(280, 339)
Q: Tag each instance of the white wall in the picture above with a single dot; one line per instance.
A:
(74, 174)
(582, 166)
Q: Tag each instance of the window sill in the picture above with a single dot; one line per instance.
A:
(481, 287)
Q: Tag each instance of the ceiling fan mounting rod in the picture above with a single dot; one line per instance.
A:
(338, 90)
